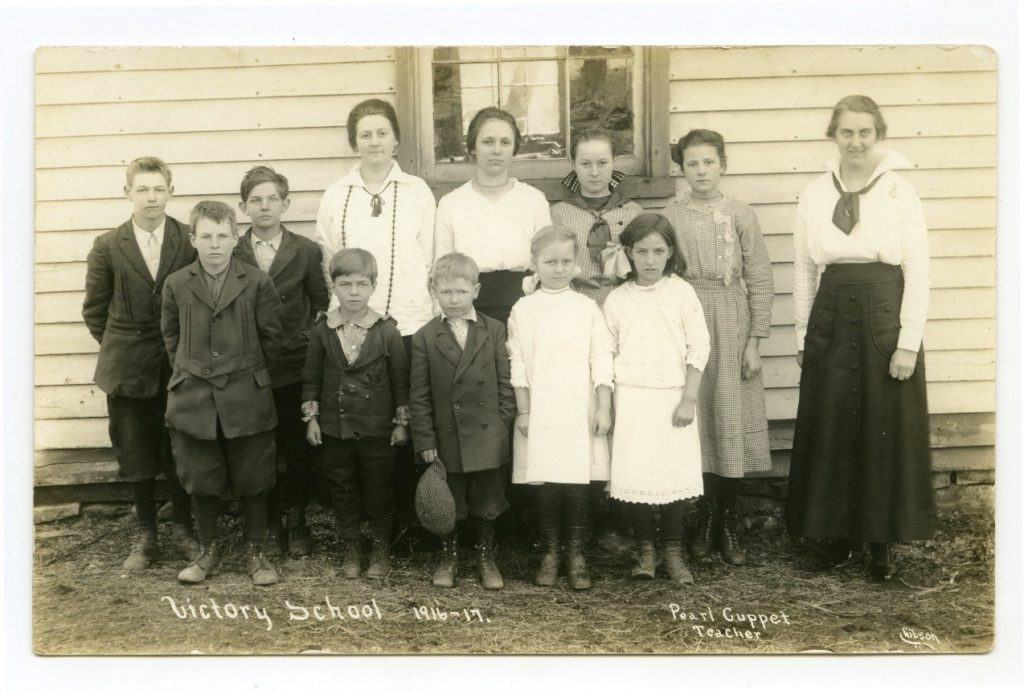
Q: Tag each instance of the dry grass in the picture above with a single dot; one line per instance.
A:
(83, 602)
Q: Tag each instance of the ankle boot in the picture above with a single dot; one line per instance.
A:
(206, 564)
(728, 543)
(380, 553)
(351, 557)
(259, 567)
(144, 551)
(448, 565)
(487, 569)
(275, 544)
(575, 562)
(675, 567)
(645, 560)
(703, 539)
(882, 566)
(299, 542)
(547, 571)
(184, 541)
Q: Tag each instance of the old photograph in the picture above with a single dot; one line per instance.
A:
(515, 349)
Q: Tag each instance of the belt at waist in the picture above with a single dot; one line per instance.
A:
(705, 285)
(861, 273)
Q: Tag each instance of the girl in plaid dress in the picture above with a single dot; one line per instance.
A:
(727, 264)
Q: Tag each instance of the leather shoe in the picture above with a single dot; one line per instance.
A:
(184, 541)
(259, 567)
(206, 564)
(144, 551)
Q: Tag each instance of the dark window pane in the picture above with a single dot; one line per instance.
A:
(592, 89)
(599, 51)
(459, 92)
(601, 96)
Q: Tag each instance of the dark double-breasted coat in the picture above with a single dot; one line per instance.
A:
(357, 399)
(220, 351)
(122, 308)
(461, 401)
(299, 281)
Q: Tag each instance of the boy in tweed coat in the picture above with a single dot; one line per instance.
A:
(221, 324)
(462, 407)
(126, 271)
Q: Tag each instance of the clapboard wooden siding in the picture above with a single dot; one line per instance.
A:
(772, 106)
(213, 112)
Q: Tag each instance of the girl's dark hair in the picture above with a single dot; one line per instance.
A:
(643, 226)
(484, 115)
(592, 134)
(859, 104)
(699, 137)
(371, 107)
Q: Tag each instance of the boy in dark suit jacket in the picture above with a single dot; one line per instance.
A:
(221, 324)
(126, 272)
(355, 398)
(293, 263)
(462, 406)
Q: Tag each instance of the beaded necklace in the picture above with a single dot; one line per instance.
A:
(375, 202)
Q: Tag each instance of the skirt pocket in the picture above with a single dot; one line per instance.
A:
(820, 330)
(885, 326)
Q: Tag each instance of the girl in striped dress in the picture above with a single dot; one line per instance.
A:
(597, 211)
(727, 264)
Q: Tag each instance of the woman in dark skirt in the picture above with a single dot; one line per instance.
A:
(492, 217)
(861, 467)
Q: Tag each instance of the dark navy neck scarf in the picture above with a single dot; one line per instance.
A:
(847, 212)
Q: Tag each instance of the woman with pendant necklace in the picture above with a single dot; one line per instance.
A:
(492, 217)
(379, 208)
(860, 468)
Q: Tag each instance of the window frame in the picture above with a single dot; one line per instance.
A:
(414, 102)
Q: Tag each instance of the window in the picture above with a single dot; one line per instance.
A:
(552, 91)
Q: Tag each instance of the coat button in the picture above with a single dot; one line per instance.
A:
(284, 298)
(854, 367)
(853, 320)
(456, 406)
(341, 392)
(483, 426)
(216, 354)
(854, 345)
(206, 372)
(888, 309)
(457, 384)
(342, 414)
(853, 297)
(367, 396)
(481, 403)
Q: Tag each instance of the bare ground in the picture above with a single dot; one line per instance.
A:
(780, 602)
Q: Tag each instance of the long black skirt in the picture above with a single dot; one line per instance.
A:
(861, 463)
(499, 291)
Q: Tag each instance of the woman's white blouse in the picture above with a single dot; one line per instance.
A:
(411, 304)
(658, 331)
(496, 235)
(891, 230)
